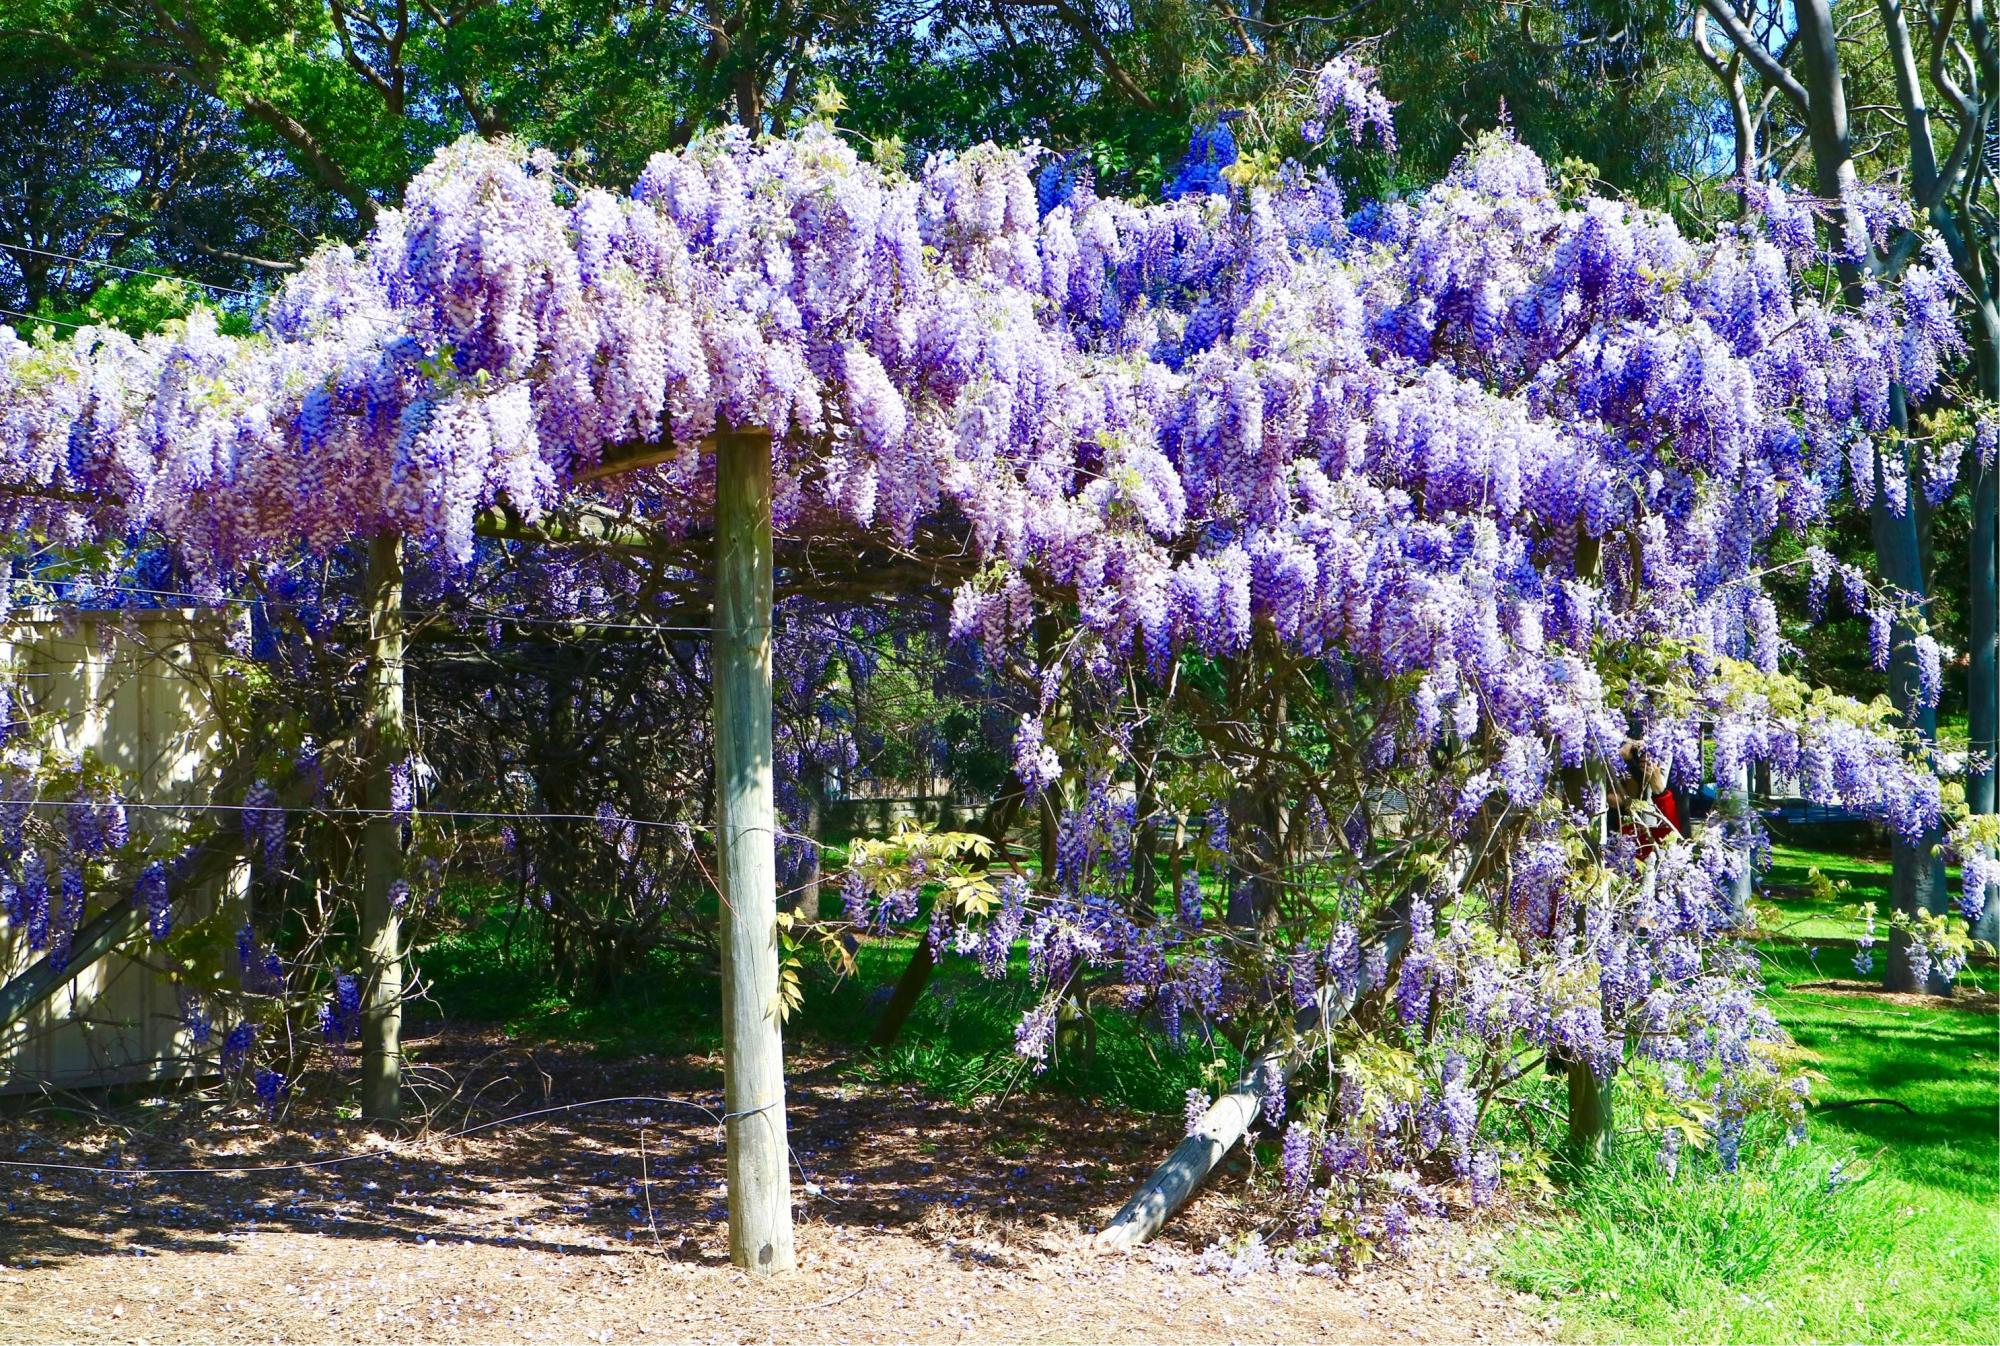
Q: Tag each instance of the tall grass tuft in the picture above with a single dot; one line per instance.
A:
(1703, 1254)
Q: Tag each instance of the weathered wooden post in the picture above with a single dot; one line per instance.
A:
(386, 741)
(753, 1067)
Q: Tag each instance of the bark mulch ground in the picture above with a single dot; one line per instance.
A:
(923, 1222)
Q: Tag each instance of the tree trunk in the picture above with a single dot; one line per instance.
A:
(1256, 840)
(387, 745)
(909, 990)
(1984, 719)
(1826, 129)
(1146, 832)
(1589, 1096)
(1983, 591)
(1590, 1127)
(917, 972)
(753, 1063)
(1917, 881)
(1967, 239)
(1047, 809)
(812, 792)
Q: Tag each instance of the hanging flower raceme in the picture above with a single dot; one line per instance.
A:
(264, 824)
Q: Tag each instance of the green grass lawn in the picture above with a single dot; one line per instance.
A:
(1791, 911)
(1903, 1246)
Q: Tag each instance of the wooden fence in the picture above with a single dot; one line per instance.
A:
(137, 690)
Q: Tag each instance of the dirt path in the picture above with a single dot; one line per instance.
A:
(929, 1223)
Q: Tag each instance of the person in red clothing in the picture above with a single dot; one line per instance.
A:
(1647, 807)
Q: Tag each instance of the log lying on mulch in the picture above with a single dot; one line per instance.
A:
(1230, 1116)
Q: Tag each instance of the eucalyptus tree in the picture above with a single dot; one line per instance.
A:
(144, 172)
(1893, 107)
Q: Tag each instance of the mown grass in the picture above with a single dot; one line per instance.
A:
(1794, 911)
(1910, 1252)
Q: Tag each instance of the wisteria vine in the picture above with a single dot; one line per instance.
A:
(1489, 476)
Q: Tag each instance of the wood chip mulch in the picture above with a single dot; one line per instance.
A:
(924, 1222)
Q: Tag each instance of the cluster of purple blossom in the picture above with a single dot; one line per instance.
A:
(151, 892)
(51, 847)
(1977, 842)
(1338, 453)
(96, 823)
(340, 1015)
(403, 790)
(238, 1046)
(263, 820)
(1023, 375)
(259, 968)
(1468, 450)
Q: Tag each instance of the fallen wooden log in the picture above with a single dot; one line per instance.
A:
(1230, 1116)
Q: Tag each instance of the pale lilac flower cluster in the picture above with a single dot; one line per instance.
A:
(403, 792)
(264, 823)
(1345, 87)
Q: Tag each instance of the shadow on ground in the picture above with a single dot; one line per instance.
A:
(584, 1181)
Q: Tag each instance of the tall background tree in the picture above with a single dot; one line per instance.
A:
(1886, 114)
(118, 166)
(277, 123)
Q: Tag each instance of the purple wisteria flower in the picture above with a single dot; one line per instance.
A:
(1456, 455)
(150, 893)
(1194, 1107)
(264, 824)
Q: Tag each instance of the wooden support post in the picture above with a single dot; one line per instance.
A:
(1174, 1181)
(753, 1057)
(386, 742)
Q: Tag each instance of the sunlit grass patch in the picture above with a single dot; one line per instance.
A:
(1910, 1254)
